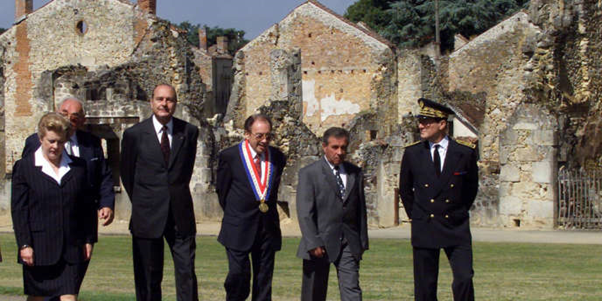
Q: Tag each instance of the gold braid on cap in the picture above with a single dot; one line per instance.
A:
(431, 112)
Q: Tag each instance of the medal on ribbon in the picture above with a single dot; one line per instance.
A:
(260, 185)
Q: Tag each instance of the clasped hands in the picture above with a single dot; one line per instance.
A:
(318, 252)
(26, 254)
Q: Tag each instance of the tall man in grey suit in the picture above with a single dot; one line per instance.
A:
(157, 159)
(332, 216)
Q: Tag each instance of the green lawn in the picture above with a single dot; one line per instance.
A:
(503, 271)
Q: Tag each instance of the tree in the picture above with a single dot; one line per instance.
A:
(2, 30)
(371, 12)
(411, 23)
(236, 38)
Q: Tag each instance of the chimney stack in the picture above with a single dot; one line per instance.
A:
(22, 8)
(203, 38)
(222, 44)
(149, 6)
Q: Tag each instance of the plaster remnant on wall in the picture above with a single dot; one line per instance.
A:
(327, 106)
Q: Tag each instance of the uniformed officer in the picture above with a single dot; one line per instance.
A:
(438, 184)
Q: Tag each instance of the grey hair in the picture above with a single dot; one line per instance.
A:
(60, 104)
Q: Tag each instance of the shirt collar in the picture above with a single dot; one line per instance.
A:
(341, 168)
(159, 126)
(41, 161)
(253, 152)
(443, 143)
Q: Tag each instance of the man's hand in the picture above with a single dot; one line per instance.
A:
(27, 255)
(88, 251)
(106, 214)
(317, 252)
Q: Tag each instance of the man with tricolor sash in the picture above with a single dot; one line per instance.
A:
(248, 176)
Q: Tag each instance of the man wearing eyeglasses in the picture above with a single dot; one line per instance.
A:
(84, 145)
(438, 183)
(248, 176)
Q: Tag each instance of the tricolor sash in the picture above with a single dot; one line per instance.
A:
(261, 189)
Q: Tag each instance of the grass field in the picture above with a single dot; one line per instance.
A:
(503, 271)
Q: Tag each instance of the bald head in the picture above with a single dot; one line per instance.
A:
(72, 109)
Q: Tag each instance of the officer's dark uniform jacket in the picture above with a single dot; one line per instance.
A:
(438, 206)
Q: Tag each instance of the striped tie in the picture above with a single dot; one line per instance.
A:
(339, 181)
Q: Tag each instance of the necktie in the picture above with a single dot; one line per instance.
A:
(437, 160)
(339, 181)
(257, 162)
(165, 144)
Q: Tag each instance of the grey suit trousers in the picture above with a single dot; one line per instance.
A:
(315, 277)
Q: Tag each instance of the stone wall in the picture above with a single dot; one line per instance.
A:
(409, 85)
(48, 39)
(344, 70)
(493, 63)
(565, 66)
(112, 64)
(528, 152)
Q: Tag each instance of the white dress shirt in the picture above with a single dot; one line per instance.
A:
(342, 172)
(262, 158)
(47, 168)
(443, 144)
(159, 129)
(72, 145)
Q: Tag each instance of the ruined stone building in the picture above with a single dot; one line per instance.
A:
(110, 54)
(526, 93)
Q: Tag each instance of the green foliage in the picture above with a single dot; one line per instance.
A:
(411, 23)
(236, 38)
(2, 30)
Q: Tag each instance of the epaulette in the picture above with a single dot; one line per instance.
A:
(411, 144)
(466, 143)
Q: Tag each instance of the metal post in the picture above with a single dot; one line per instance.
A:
(396, 208)
(437, 37)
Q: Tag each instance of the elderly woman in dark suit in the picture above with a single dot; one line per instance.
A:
(51, 214)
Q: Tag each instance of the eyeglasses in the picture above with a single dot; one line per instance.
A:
(261, 136)
(72, 115)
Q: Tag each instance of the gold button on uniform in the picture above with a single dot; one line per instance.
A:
(452, 185)
(432, 215)
(432, 200)
(426, 185)
(446, 216)
(447, 201)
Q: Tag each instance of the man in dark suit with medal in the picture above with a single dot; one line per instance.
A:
(332, 216)
(157, 160)
(438, 184)
(248, 176)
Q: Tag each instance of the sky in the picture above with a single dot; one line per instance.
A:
(252, 16)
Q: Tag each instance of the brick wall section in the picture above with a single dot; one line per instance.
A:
(23, 7)
(140, 29)
(149, 6)
(21, 68)
(345, 71)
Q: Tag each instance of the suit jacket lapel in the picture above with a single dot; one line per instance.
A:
(38, 169)
(451, 159)
(67, 177)
(350, 181)
(330, 178)
(150, 135)
(427, 160)
(84, 150)
(177, 138)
